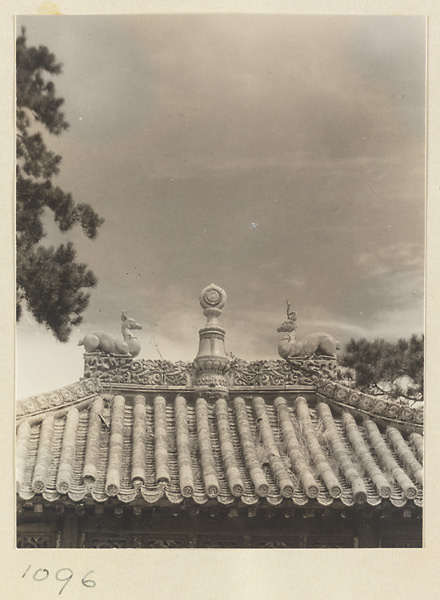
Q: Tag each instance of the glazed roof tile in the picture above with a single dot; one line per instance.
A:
(167, 446)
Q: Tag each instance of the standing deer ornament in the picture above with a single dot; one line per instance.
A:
(315, 344)
(104, 342)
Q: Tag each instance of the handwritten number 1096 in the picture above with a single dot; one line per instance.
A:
(62, 575)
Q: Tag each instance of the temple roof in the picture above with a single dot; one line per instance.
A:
(218, 429)
(274, 446)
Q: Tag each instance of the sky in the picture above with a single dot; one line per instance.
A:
(275, 156)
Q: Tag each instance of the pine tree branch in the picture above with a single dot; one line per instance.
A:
(49, 280)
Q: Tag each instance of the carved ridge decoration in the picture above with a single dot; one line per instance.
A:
(280, 372)
(265, 373)
(121, 369)
(376, 406)
(316, 366)
(125, 370)
(57, 399)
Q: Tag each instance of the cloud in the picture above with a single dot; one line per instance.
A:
(397, 272)
(194, 127)
(401, 254)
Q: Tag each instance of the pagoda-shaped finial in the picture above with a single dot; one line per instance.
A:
(211, 362)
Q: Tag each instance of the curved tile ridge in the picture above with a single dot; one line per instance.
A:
(314, 447)
(26, 491)
(205, 446)
(341, 455)
(378, 407)
(128, 492)
(44, 455)
(405, 454)
(235, 481)
(22, 452)
(363, 453)
(294, 449)
(388, 461)
(138, 474)
(152, 490)
(57, 399)
(65, 469)
(161, 440)
(186, 477)
(90, 470)
(78, 488)
(417, 441)
(113, 475)
(250, 454)
(275, 461)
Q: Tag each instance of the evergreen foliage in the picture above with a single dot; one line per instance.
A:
(49, 280)
(391, 368)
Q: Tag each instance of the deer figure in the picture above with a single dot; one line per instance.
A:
(99, 340)
(320, 344)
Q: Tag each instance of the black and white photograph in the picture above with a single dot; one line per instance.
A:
(220, 281)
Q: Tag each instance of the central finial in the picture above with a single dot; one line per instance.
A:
(212, 300)
(211, 362)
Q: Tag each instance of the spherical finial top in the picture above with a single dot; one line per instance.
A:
(212, 296)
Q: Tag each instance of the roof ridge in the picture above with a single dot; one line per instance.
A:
(59, 400)
(159, 375)
(366, 404)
